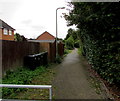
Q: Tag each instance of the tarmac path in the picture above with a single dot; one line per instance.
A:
(71, 81)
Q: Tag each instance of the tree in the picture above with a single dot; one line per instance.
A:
(77, 44)
(18, 37)
(69, 33)
(74, 34)
(69, 43)
(96, 18)
(99, 32)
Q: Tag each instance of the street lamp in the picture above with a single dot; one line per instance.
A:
(56, 30)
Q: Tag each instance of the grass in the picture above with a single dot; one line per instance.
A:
(79, 51)
(40, 76)
(95, 84)
(58, 59)
(67, 51)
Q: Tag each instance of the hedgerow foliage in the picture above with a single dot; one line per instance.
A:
(69, 43)
(71, 39)
(99, 31)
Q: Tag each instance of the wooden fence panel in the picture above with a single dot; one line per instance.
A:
(13, 53)
(52, 52)
(61, 49)
(0, 61)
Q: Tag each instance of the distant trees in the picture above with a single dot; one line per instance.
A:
(69, 43)
(70, 31)
(19, 37)
(72, 37)
(99, 33)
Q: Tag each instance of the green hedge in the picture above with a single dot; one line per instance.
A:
(104, 58)
(99, 30)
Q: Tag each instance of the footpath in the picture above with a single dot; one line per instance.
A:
(72, 81)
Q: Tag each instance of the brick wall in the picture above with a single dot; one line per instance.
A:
(46, 36)
(6, 37)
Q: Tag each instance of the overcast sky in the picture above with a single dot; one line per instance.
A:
(32, 17)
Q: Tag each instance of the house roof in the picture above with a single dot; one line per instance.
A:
(49, 41)
(5, 25)
(45, 36)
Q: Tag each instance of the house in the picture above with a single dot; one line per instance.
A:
(6, 31)
(46, 37)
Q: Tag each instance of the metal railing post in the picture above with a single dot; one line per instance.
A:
(30, 86)
(50, 93)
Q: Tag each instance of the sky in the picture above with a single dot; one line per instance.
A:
(33, 17)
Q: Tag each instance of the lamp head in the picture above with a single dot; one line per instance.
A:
(62, 8)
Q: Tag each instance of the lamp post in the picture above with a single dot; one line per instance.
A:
(56, 30)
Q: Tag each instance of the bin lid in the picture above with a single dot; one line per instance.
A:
(31, 56)
(37, 54)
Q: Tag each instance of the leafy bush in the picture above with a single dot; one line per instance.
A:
(76, 44)
(79, 51)
(58, 59)
(69, 43)
(20, 76)
(67, 51)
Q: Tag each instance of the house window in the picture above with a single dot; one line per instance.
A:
(10, 32)
(5, 32)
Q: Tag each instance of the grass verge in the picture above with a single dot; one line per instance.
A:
(67, 51)
(79, 51)
(40, 76)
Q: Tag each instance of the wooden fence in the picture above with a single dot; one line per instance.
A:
(61, 49)
(13, 52)
(0, 62)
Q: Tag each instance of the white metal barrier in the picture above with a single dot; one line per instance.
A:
(30, 86)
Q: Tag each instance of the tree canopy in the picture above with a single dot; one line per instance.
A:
(99, 32)
(74, 34)
(19, 37)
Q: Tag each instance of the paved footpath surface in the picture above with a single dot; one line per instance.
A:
(71, 81)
